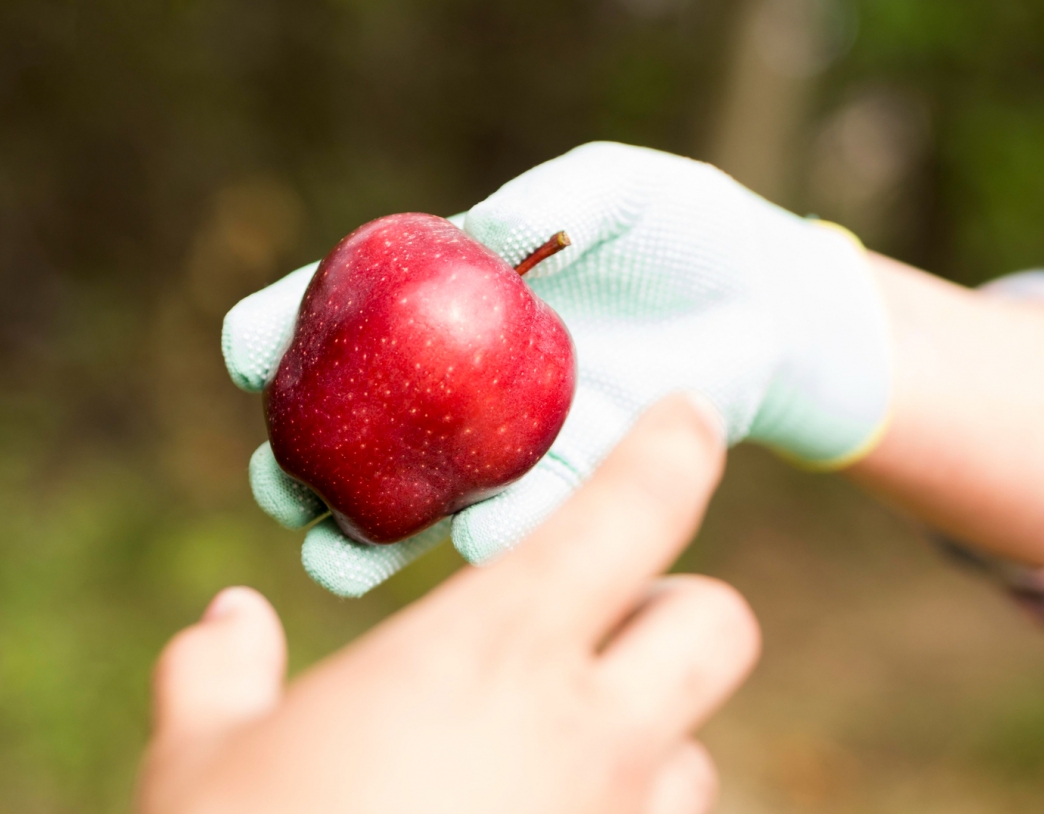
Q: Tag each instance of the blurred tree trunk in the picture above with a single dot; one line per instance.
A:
(782, 46)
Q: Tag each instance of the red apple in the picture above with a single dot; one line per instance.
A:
(423, 376)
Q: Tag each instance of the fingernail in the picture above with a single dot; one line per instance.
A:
(712, 417)
(226, 603)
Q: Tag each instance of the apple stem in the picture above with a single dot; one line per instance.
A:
(553, 246)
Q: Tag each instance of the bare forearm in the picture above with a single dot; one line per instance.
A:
(965, 447)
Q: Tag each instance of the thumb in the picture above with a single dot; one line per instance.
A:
(222, 672)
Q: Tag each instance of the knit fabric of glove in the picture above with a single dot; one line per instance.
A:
(677, 278)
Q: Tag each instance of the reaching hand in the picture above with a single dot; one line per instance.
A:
(541, 684)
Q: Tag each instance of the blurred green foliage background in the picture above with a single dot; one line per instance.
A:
(161, 159)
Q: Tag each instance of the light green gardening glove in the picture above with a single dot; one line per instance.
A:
(678, 279)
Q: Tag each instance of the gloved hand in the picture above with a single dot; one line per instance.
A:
(678, 279)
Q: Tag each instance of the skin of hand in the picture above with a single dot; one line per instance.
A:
(965, 447)
(539, 684)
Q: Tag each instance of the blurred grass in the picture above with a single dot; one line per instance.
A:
(159, 160)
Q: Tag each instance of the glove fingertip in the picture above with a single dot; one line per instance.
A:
(291, 504)
(337, 564)
(258, 328)
(349, 569)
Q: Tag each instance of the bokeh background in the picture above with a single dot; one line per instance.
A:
(159, 159)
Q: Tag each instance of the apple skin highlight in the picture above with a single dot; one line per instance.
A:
(423, 376)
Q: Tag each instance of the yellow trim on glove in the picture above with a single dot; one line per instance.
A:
(875, 437)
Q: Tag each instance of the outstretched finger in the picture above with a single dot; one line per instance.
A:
(592, 559)
(212, 679)
(684, 652)
(223, 671)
